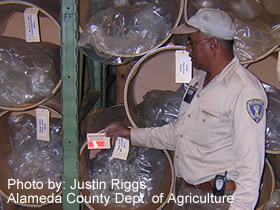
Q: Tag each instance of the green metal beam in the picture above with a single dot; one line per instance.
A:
(81, 75)
(103, 86)
(70, 100)
(95, 78)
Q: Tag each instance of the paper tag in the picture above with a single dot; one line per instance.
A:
(32, 32)
(183, 66)
(121, 149)
(43, 124)
(98, 141)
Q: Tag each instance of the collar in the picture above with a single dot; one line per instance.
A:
(226, 73)
(223, 77)
(198, 80)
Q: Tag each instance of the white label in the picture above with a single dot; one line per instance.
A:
(121, 149)
(32, 32)
(183, 66)
(43, 124)
(98, 141)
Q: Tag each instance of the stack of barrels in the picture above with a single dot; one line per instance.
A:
(14, 39)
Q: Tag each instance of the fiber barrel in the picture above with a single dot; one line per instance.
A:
(10, 187)
(12, 25)
(99, 120)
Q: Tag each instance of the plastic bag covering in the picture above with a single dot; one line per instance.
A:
(258, 31)
(119, 30)
(143, 165)
(27, 71)
(273, 118)
(274, 202)
(159, 107)
(32, 159)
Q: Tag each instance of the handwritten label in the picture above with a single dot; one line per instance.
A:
(43, 124)
(183, 66)
(121, 148)
(32, 32)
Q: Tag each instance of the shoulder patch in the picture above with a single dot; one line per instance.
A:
(255, 109)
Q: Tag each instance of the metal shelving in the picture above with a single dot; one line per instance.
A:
(70, 99)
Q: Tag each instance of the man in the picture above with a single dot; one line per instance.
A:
(221, 124)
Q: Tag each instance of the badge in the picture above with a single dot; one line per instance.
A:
(255, 109)
(190, 94)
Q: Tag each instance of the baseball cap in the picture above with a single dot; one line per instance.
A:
(214, 22)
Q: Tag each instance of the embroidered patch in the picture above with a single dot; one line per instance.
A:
(255, 108)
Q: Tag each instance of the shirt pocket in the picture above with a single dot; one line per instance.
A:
(208, 116)
(206, 124)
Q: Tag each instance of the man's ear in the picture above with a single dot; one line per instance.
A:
(214, 43)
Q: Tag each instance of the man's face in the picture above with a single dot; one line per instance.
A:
(197, 47)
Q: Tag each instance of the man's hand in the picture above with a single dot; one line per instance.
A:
(116, 129)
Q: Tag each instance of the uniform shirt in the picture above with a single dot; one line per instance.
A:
(222, 128)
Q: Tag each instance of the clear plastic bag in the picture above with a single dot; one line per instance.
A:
(140, 175)
(120, 30)
(273, 118)
(32, 159)
(258, 31)
(28, 72)
(274, 202)
(159, 107)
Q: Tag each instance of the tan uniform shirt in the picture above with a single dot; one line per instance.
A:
(222, 128)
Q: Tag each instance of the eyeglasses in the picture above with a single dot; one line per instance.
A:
(191, 43)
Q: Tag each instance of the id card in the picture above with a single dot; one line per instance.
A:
(190, 94)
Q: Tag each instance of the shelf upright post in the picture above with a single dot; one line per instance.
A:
(70, 102)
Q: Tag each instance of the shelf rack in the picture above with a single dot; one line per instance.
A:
(70, 99)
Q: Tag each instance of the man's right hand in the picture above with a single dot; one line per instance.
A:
(116, 129)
